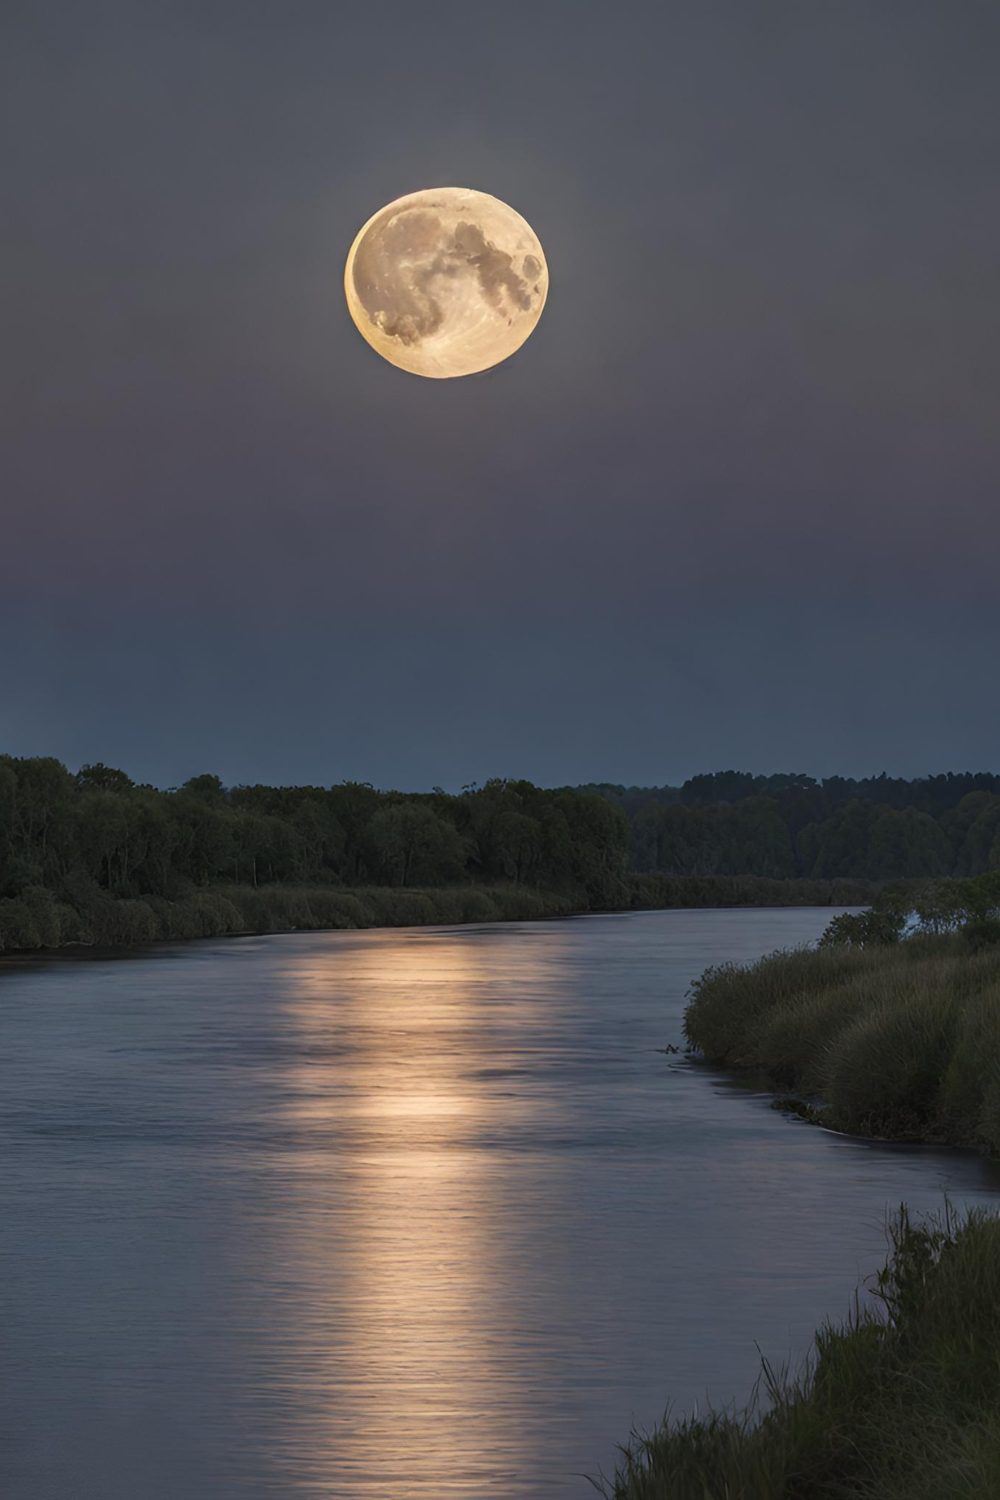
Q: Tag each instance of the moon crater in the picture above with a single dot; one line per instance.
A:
(446, 282)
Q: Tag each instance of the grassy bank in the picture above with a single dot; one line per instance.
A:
(41, 918)
(901, 1402)
(899, 1041)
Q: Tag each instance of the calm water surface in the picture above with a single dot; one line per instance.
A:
(373, 1216)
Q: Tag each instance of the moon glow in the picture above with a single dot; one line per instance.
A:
(446, 282)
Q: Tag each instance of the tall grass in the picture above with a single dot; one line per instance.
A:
(900, 1042)
(900, 1402)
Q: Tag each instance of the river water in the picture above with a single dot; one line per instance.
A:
(401, 1214)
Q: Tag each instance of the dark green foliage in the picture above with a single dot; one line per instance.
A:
(745, 838)
(103, 778)
(93, 858)
(790, 825)
(730, 839)
(970, 907)
(862, 929)
(413, 845)
(983, 932)
(17, 926)
(900, 1041)
(901, 1402)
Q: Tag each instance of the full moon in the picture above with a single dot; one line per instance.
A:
(446, 282)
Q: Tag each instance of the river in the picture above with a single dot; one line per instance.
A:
(402, 1215)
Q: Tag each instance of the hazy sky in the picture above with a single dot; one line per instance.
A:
(735, 503)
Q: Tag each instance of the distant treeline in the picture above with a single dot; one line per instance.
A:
(94, 858)
(792, 826)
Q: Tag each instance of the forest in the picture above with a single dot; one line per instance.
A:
(792, 826)
(94, 857)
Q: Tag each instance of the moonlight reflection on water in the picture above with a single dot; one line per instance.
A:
(402, 1215)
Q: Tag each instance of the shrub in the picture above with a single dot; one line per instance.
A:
(982, 932)
(44, 915)
(476, 905)
(73, 926)
(17, 926)
(865, 929)
(123, 923)
(196, 915)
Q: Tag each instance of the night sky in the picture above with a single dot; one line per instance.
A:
(735, 503)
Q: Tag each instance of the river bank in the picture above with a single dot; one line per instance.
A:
(899, 1402)
(43, 919)
(896, 1042)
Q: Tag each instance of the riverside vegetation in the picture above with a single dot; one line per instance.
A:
(900, 1402)
(94, 858)
(894, 1036)
(879, 1034)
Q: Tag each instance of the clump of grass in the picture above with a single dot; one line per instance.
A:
(900, 1402)
(899, 1041)
(795, 1035)
(885, 1068)
(731, 1003)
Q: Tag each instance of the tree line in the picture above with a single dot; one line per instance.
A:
(791, 826)
(75, 842)
(94, 857)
